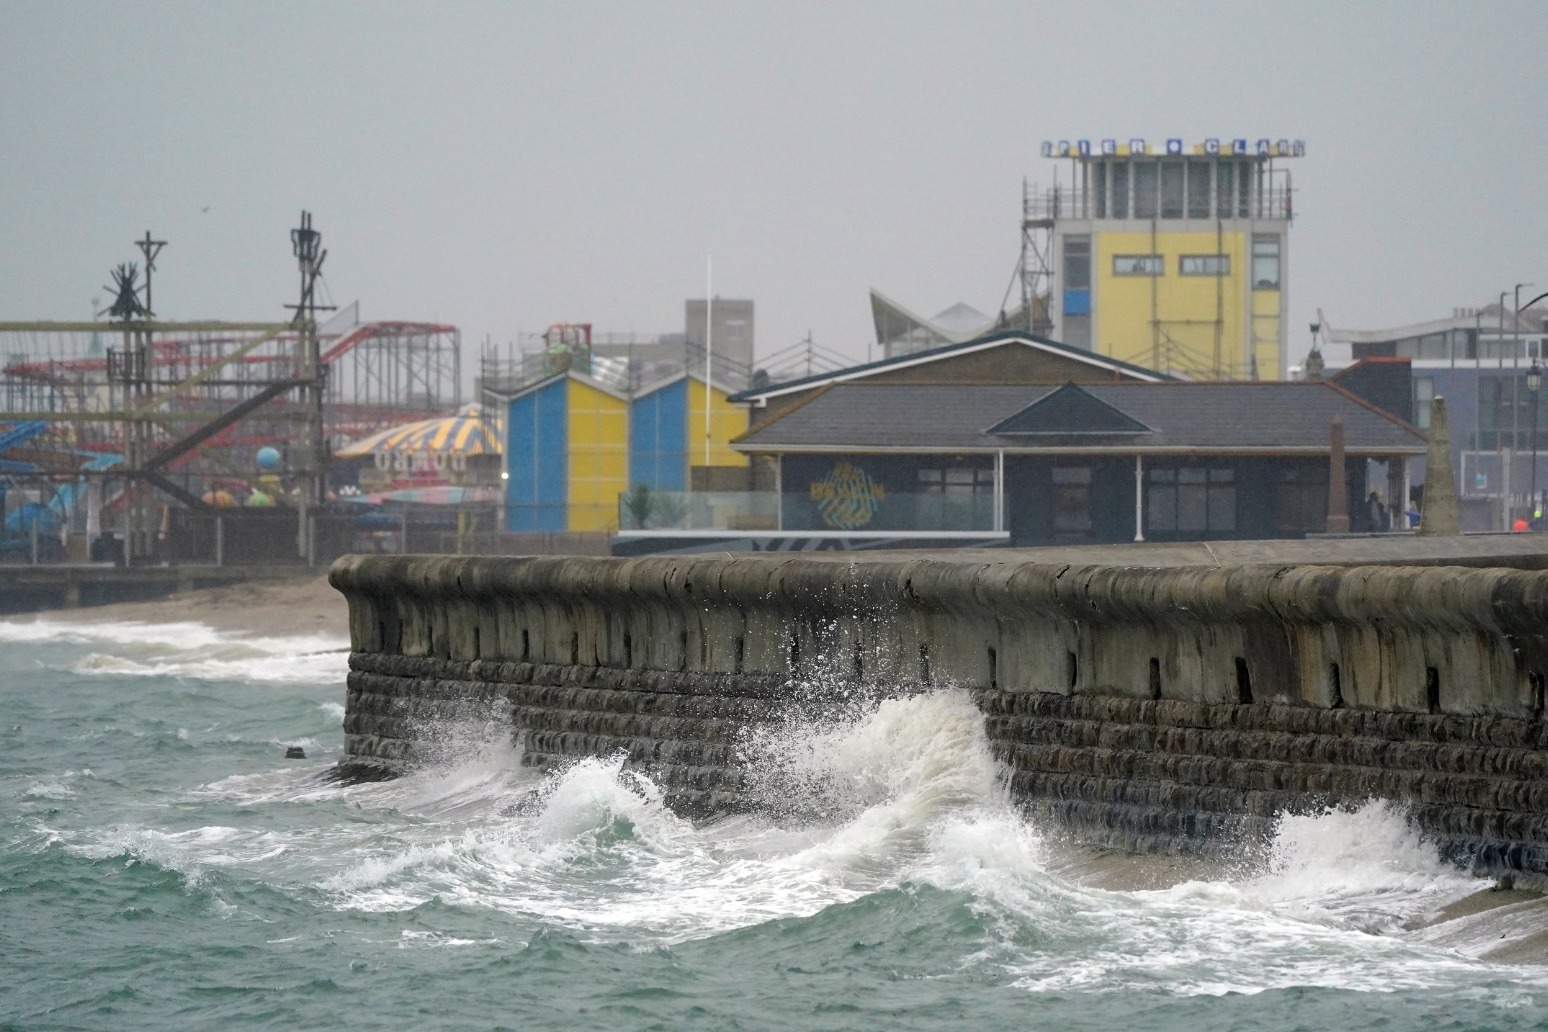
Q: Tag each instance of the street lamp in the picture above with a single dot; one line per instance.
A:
(1534, 379)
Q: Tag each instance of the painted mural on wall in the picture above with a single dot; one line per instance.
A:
(847, 497)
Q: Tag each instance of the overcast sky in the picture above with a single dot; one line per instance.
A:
(507, 166)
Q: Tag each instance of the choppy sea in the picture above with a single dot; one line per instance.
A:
(162, 866)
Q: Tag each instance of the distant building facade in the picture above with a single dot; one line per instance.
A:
(733, 325)
(1168, 255)
(1480, 360)
(588, 418)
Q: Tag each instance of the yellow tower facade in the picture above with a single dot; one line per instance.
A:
(1170, 256)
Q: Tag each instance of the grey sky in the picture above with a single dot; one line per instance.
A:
(506, 166)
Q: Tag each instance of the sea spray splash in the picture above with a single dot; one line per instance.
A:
(1367, 866)
(927, 751)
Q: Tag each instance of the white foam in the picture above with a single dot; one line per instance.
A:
(913, 776)
(901, 795)
(189, 636)
(226, 664)
(48, 789)
(1364, 867)
(188, 650)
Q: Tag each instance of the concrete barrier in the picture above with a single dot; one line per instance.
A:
(1174, 708)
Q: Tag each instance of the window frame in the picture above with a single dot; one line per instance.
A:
(1222, 261)
(1172, 493)
(1266, 248)
(1152, 265)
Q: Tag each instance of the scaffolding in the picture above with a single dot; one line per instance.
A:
(1038, 213)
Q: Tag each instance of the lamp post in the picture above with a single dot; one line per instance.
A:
(1534, 379)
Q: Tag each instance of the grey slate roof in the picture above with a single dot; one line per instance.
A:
(1264, 417)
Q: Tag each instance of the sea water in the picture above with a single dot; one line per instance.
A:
(163, 866)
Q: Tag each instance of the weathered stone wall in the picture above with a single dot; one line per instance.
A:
(1147, 708)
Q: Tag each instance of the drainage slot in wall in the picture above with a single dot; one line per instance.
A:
(1243, 683)
(575, 648)
(1535, 681)
(526, 645)
(795, 651)
(1155, 678)
(629, 651)
(1335, 686)
(682, 649)
(740, 654)
(859, 664)
(1432, 688)
(478, 652)
(1073, 665)
(924, 662)
(994, 670)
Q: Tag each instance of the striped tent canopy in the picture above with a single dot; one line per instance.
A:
(462, 434)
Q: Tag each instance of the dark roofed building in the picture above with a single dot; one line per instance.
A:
(1099, 462)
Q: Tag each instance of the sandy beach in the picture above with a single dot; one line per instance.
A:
(306, 604)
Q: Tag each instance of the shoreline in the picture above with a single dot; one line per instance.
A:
(305, 604)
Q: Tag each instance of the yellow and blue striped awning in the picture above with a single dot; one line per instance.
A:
(463, 434)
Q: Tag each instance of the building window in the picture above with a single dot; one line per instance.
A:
(1120, 187)
(1424, 393)
(1225, 187)
(1198, 188)
(1204, 265)
(1191, 499)
(1071, 501)
(1077, 262)
(1300, 500)
(1172, 190)
(1145, 179)
(1137, 265)
(1265, 262)
(957, 481)
(736, 329)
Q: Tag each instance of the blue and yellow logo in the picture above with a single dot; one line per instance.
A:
(847, 497)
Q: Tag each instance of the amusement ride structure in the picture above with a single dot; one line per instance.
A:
(129, 413)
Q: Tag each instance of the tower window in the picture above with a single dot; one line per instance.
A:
(1172, 190)
(1137, 265)
(1204, 265)
(1077, 262)
(1145, 179)
(1265, 262)
(1198, 188)
(1120, 187)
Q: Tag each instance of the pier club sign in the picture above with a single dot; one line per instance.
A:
(1240, 146)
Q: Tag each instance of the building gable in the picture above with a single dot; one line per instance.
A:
(1070, 410)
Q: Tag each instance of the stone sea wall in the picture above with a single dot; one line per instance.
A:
(1173, 709)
